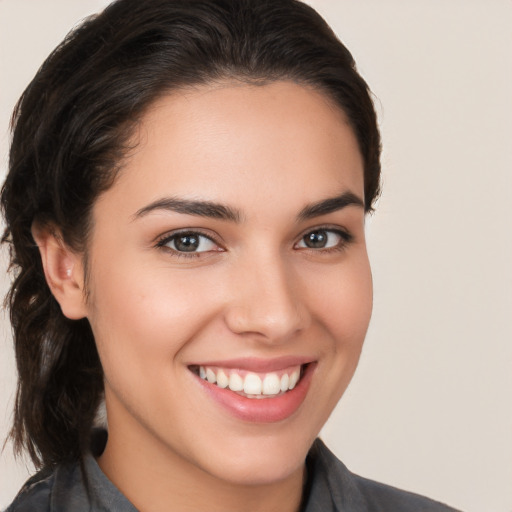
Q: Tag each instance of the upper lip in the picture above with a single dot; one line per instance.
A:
(259, 365)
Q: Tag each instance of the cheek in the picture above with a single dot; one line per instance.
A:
(142, 320)
(344, 303)
(341, 305)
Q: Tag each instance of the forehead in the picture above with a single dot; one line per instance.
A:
(243, 144)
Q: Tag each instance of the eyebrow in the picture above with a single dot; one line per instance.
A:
(201, 208)
(192, 207)
(330, 205)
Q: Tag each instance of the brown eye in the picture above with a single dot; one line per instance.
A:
(324, 239)
(186, 243)
(316, 239)
(190, 242)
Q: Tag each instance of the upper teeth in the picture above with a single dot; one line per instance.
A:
(251, 383)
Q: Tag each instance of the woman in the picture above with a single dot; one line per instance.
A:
(185, 206)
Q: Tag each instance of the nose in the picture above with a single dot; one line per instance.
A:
(266, 301)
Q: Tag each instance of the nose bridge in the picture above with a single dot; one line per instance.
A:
(266, 301)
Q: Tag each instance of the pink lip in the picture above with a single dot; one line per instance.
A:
(261, 410)
(254, 364)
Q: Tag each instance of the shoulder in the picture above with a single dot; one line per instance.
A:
(51, 490)
(381, 497)
(352, 492)
(79, 486)
(35, 494)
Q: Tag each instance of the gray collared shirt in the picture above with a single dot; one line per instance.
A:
(331, 487)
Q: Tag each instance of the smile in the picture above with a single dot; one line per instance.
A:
(252, 384)
(257, 391)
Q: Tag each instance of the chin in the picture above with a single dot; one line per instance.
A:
(263, 460)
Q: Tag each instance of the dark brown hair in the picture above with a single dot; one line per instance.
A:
(70, 133)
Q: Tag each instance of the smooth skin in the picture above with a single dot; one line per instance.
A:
(249, 283)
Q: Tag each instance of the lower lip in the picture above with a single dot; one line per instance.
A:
(262, 410)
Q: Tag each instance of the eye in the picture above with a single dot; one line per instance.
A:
(188, 242)
(324, 239)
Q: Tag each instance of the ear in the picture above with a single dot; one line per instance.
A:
(63, 270)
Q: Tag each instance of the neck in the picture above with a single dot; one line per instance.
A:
(152, 476)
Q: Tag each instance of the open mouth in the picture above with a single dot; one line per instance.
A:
(252, 384)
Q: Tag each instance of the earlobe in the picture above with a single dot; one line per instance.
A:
(63, 270)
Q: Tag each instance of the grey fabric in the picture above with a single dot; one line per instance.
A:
(64, 490)
(331, 487)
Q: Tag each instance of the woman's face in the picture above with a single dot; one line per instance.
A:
(231, 248)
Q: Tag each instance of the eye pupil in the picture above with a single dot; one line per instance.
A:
(187, 243)
(316, 239)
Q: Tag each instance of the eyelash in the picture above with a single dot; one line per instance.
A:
(345, 239)
(163, 242)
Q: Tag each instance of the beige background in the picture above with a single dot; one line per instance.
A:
(430, 408)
